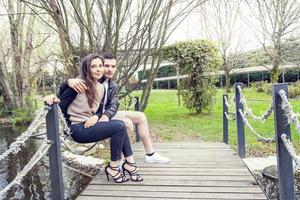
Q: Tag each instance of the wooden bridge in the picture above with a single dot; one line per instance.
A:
(197, 170)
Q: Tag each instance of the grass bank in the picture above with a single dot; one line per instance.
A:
(175, 123)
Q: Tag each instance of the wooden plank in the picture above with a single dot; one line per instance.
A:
(135, 198)
(192, 173)
(206, 183)
(199, 165)
(177, 195)
(190, 178)
(250, 189)
(215, 169)
(186, 144)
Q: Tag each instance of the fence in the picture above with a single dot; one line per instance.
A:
(283, 116)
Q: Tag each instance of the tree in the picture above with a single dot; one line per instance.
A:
(19, 57)
(279, 25)
(134, 30)
(199, 59)
(220, 21)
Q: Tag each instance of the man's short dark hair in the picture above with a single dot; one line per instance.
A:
(108, 56)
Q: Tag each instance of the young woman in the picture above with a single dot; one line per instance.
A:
(82, 114)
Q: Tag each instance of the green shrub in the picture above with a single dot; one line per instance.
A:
(294, 90)
(262, 86)
(199, 59)
(22, 116)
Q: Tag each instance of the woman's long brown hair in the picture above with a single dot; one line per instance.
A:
(85, 73)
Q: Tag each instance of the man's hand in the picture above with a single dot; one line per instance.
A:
(104, 118)
(77, 84)
(91, 121)
(50, 99)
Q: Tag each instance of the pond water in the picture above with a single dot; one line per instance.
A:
(36, 184)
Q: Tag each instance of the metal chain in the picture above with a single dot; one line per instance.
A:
(230, 118)
(35, 158)
(290, 148)
(15, 147)
(286, 106)
(249, 112)
(260, 137)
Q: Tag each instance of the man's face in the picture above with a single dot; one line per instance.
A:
(110, 67)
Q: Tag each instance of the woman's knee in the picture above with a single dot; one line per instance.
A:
(120, 125)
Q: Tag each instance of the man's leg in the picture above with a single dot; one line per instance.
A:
(141, 121)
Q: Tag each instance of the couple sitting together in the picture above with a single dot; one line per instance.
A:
(90, 105)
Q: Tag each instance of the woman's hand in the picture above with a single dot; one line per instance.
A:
(104, 118)
(91, 121)
(50, 99)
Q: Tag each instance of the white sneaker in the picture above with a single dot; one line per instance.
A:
(156, 158)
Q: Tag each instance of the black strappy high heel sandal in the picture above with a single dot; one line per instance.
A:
(118, 177)
(134, 176)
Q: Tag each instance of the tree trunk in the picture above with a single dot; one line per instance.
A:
(107, 47)
(274, 74)
(16, 58)
(63, 34)
(157, 56)
(178, 83)
(26, 85)
(227, 78)
(8, 95)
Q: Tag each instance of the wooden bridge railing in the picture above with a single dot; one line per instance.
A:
(284, 159)
(55, 160)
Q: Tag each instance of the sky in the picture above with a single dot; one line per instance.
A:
(192, 28)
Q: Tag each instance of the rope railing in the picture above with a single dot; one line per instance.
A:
(283, 117)
(291, 115)
(15, 147)
(56, 125)
(291, 150)
(226, 102)
(63, 122)
(230, 118)
(248, 110)
(43, 149)
(260, 137)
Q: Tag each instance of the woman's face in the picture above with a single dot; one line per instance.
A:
(96, 69)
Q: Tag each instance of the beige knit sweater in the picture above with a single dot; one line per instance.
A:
(80, 111)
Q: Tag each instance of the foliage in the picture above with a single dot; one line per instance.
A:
(22, 116)
(265, 87)
(259, 57)
(294, 90)
(262, 86)
(201, 61)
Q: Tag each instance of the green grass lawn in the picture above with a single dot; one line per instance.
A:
(176, 123)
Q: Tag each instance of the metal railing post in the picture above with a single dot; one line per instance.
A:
(239, 122)
(225, 120)
(284, 160)
(55, 161)
(137, 108)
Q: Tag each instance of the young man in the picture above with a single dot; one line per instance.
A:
(110, 107)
